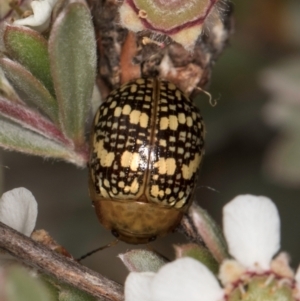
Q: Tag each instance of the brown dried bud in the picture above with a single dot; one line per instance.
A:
(125, 55)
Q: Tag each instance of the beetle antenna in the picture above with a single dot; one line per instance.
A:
(212, 102)
(209, 188)
(111, 244)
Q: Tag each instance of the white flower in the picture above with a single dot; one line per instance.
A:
(183, 279)
(18, 210)
(40, 18)
(251, 228)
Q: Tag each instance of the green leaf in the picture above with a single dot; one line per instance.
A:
(210, 232)
(72, 50)
(32, 120)
(142, 261)
(73, 294)
(34, 91)
(19, 285)
(29, 48)
(13, 137)
(199, 253)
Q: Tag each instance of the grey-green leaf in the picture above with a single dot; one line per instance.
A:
(13, 137)
(72, 50)
(142, 261)
(30, 49)
(33, 90)
(210, 232)
(199, 253)
(19, 285)
(73, 294)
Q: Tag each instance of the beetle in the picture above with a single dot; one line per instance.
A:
(147, 143)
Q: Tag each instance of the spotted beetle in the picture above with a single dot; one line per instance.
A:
(147, 143)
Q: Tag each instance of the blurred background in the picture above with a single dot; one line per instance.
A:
(252, 146)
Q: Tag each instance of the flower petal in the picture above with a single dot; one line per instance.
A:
(252, 230)
(40, 19)
(137, 286)
(185, 279)
(18, 209)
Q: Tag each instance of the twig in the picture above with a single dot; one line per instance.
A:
(64, 269)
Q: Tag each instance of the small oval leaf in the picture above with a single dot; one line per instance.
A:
(19, 285)
(72, 50)
(13, 137)
(30, 49)
(32, 88)
(31, 120)
(142, 261)
(199, 253)
(210, 232)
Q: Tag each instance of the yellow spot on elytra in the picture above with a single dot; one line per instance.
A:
(155, 177)
(166, 166)
(161, 165)
(181, 194)
(144, 118)
(113, 104)
(180, 150)
(134, 187)
(126, 109)
(106, 158)
(171, 86)
(163, 142)
(171, 166)
(189, 121)
(181, 118)
(126, 159)
(97, 117)
(106, 183)
(164, 109)
(104, 193)
(173, 122)
(109, 159)
(154, 190)
(140, 81)
(189, 170)
(172, 201)
(178, 94)
(135, 161)
(168, 191)
(164, 122)
(180, 203)
(121, 184)
(134, 116)
(161, 193)
(104, 111)
(133, 88)
(147, 98)
(118, 111)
